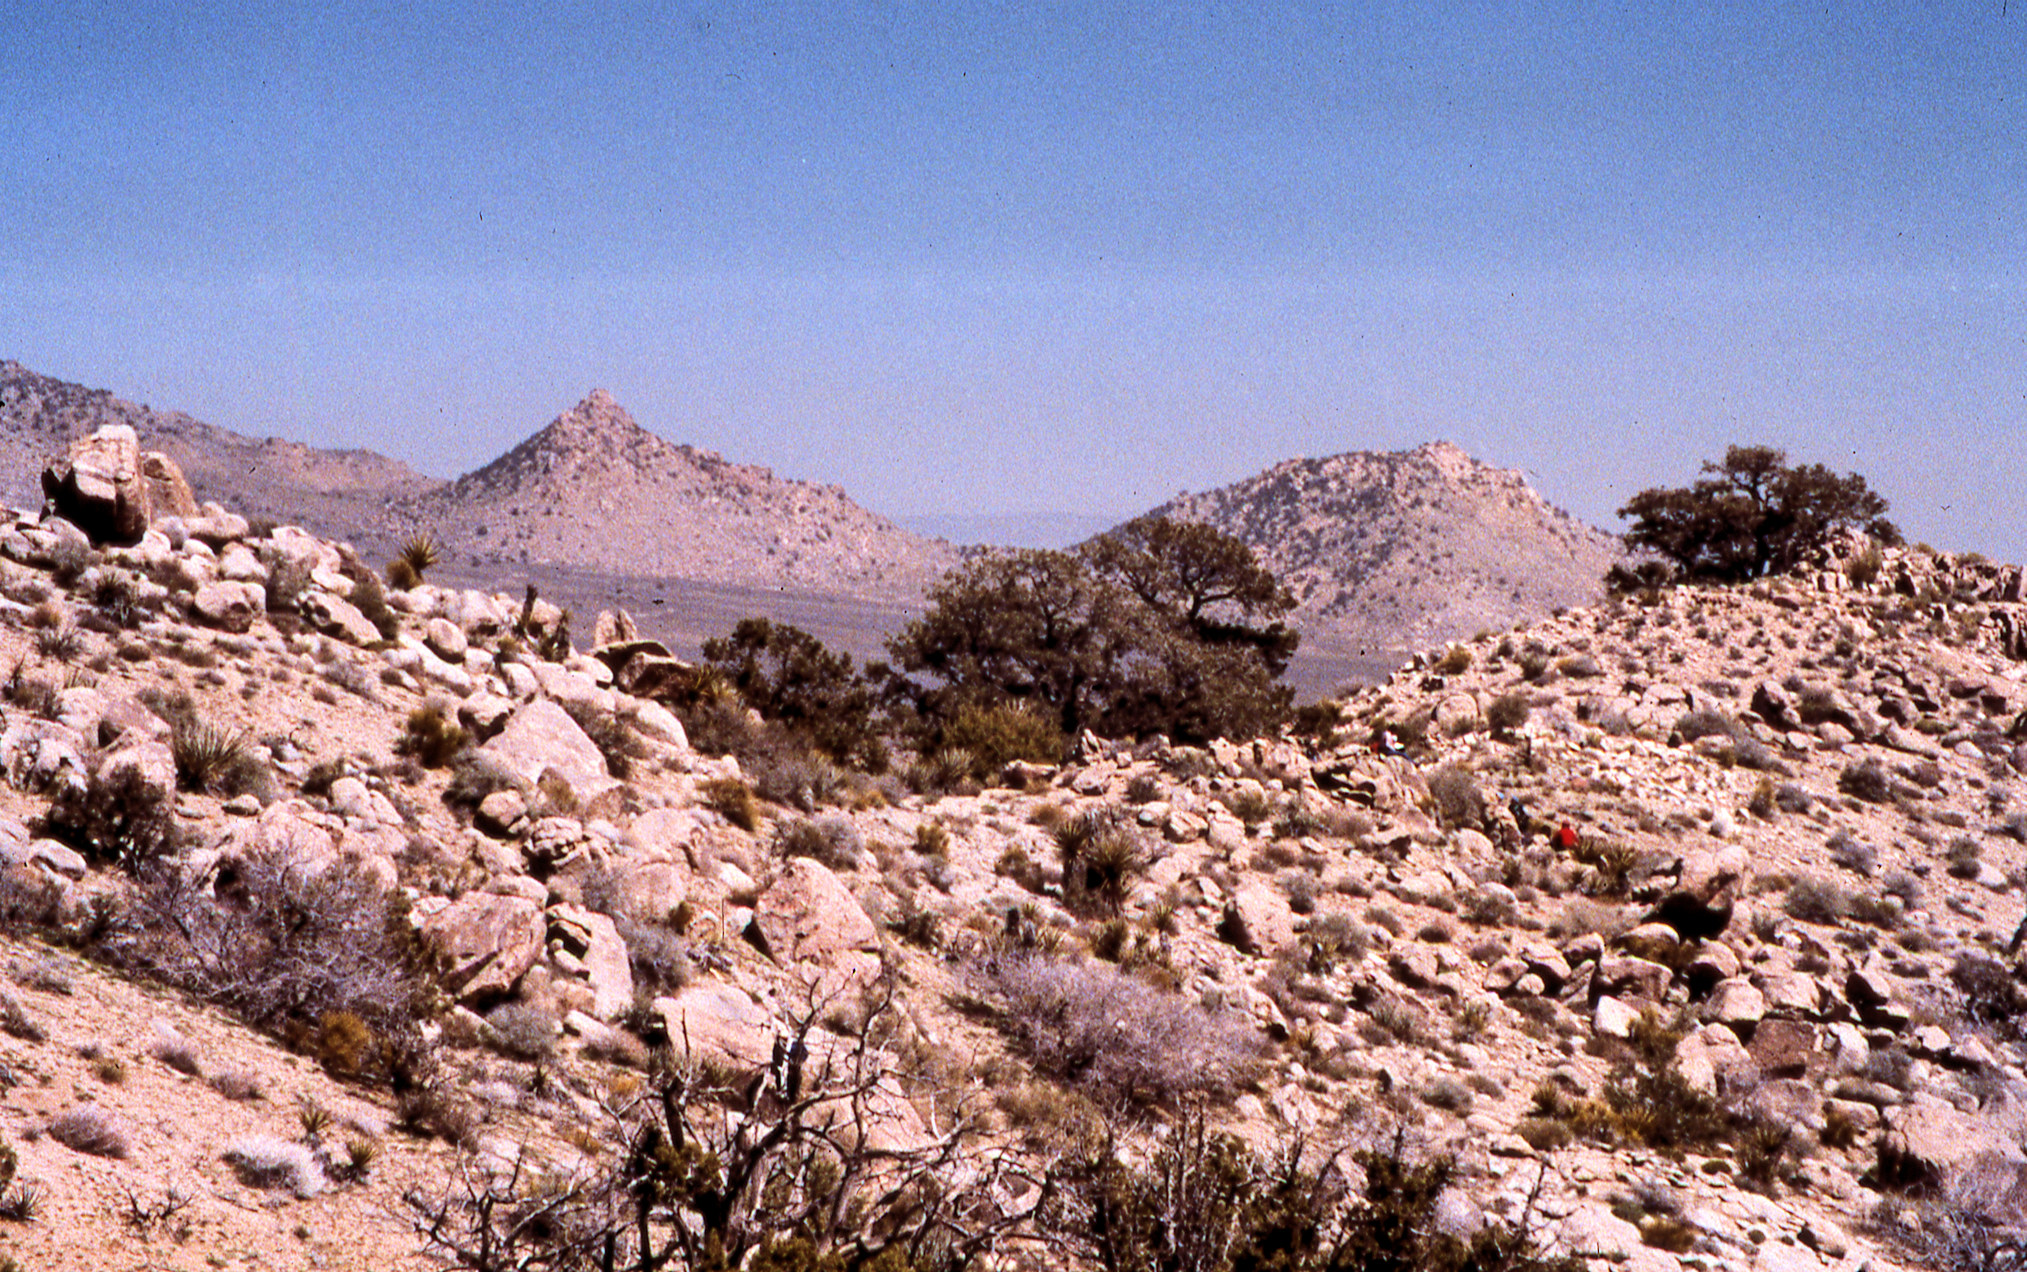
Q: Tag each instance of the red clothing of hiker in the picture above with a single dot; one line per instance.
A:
(1565, 837)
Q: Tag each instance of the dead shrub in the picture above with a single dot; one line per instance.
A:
(1110, 1034)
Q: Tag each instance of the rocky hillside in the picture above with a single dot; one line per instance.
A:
(481, 894)
(1392, 552)
(342, 493)
(596, 489)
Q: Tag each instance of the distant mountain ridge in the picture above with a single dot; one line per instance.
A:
(1385, 552)
(596, 490)
(1396, 551)
(341, 493)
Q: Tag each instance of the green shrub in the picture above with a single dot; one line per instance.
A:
(1001, 733)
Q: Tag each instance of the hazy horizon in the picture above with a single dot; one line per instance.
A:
(999, 263)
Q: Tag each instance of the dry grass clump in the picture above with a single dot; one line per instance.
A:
(86, 1128)
(271, 1162)
(733, 800)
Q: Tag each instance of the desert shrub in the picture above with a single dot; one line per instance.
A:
(274, 940)
(1905, 886)
(998, 734)
(1814, 900)
(932, 839)
(1459, 803)
(473, 775)
(86, 1128)
(1250, 804)
(733, 800)
(1333, 939)
(1144, 788)
(1204, 1202)
(615, 739)
(660, 959)
(797, 779)
(1991, 994)
(176, 1051)
(1792, 799)
(1965, 856)
(709, 1170)
(16, 1022)
(287, 580)
(1705, 724)
(432, 736)
(1849, 854)
(117, 816)
(345, 1043)
(369, 597)
(522, 1031)
(1455, 661)
(1507, 712)
(1868, 780)
(1065, 1015)
(831, 839)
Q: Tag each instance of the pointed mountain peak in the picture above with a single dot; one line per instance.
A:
(598, 414)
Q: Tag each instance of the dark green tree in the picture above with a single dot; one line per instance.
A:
(1752, 515)
(1152, 629)
(790, 676)
(1201, 579)
(1029, 625)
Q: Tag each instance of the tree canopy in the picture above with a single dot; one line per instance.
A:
(788, 675)
(1156, 627)
(1752, 515)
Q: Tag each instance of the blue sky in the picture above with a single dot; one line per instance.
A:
(1004, 258)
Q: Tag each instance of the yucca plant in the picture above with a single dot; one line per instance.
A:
(412, 563)
(205, 754)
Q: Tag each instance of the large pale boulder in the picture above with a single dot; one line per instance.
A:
(484, 942)
(714, 1021)
(540, 738)
(98, 486)
(592, 941)
(335, 616)
(169, 493)
(810, 921)
(1927, 1142)
(229, 606)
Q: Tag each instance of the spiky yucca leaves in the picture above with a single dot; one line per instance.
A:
(207, 756)
(412, 563)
